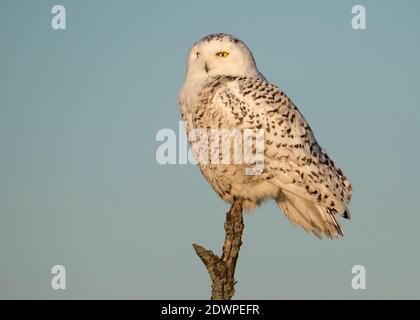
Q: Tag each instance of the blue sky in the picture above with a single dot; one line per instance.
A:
(80, 186)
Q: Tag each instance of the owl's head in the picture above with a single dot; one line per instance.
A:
(220, 54)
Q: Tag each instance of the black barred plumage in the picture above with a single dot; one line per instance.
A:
(297, 174)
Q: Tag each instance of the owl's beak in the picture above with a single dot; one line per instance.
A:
(206, 67)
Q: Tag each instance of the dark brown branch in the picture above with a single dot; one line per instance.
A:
(222, 270)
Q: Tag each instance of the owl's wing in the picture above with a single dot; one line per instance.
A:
(293, 159)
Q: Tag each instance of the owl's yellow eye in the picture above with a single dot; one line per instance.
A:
(222, 54)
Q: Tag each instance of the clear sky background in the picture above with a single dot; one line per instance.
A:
(80, 185)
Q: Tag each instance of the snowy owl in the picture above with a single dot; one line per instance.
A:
(223, 89)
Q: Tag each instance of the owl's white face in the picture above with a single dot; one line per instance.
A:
(220, 54)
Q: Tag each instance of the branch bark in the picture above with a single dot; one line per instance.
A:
(222, 270)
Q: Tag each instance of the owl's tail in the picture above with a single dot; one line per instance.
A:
(309, 215)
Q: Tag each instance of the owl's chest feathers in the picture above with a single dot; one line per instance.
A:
(198, 93)
(189, 96)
